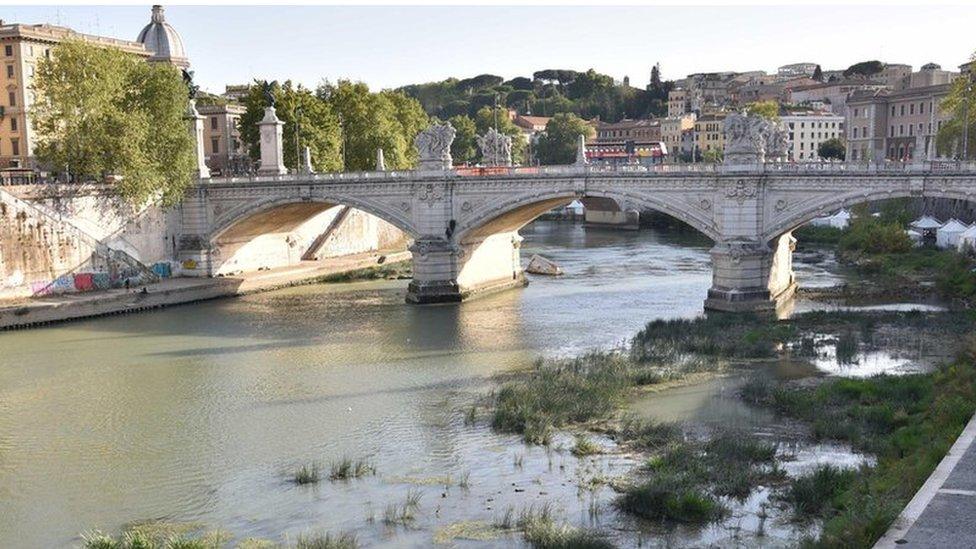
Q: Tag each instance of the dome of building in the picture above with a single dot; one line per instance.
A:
(162, 40)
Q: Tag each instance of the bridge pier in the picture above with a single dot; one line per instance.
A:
(448, 272)
(748, 275)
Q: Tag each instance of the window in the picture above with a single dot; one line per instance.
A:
(920, 128)
(855, 133)
(853, 154)
(215, 145)
(8, 50)
(921, 108)
(864, 131)
(213, 122)
(911, 109)
(10, 71)
(13, 124)
(855, 113)
(911, 129)
(892, 110)
(902, 110)
(12, 96)
(15, 147)
(892, 132)
(901, 129)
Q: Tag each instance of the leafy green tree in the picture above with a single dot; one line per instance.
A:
(712, 155)
(100, 111)
(558, 145)
(961, 103)
(487, 117)
(766, 109)
(521, 83)
(832, 149)
(369, 121)
(314, 120)
(464, 148)
(864, 68)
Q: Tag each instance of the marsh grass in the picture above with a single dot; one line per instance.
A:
(307, 473)
(907, 422)
(345, 469)
(157, 535)
(344, 540)
(585, 447)
(404, 512)
(540, 530)
(809, 495)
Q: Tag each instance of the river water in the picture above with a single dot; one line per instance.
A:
(200, 413)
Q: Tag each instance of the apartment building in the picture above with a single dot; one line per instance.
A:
(709, 132)
(808, 130)
(672, 130)
(895, 125)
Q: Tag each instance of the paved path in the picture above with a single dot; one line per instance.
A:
(173, 291)
(943, 513)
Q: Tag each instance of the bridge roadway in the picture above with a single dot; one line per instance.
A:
(465, 223)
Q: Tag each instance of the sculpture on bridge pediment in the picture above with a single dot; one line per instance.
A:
(777, 141)
(745, 138)
(434, 146)
(496, 148)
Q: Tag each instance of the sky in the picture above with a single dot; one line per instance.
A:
(390, 46)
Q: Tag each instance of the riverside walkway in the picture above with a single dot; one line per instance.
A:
(943, 512)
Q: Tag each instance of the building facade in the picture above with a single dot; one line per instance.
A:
(808, 131)
(223, 148)
(23, 47)
(672, 130)
(709, 133)
(895, 125)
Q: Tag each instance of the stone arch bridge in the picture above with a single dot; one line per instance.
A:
(465, 227)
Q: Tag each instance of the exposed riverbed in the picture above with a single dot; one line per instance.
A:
(200, 413)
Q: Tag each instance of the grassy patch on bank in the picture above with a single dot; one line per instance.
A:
(400, 269)
(907, 422)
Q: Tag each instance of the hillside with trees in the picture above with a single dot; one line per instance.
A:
(547, 92)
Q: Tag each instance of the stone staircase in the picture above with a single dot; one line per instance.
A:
(64, 226)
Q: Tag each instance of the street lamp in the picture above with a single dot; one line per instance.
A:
(965, 119)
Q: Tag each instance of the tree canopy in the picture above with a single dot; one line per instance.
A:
(588, 94)
(295, 106)
(766, 109)
(832, 149)
(343, 125)
(464, 149)
(100, 111)
(864, 68)
(960, 102)
(558, 145)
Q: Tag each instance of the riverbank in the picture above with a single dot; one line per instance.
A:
(901, 421)
(177, 291)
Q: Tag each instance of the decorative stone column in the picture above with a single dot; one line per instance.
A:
(581, 151)
(272, 157)
(195, 124)
(380, 161)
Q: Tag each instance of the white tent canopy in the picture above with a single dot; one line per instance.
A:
(926, 223)
(948, 234)
(967, 239)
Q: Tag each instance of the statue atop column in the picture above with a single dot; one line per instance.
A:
(434, 146)
(496, 148)
(268, 89)
(777, 141)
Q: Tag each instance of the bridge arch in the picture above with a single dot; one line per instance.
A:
(807, 211)
(312, 205)
(514, 212)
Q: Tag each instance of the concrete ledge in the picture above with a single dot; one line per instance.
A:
(756, 300)
(177, 291)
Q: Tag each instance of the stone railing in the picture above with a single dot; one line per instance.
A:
(940, 166)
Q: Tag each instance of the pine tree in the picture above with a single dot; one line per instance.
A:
(818, 74)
